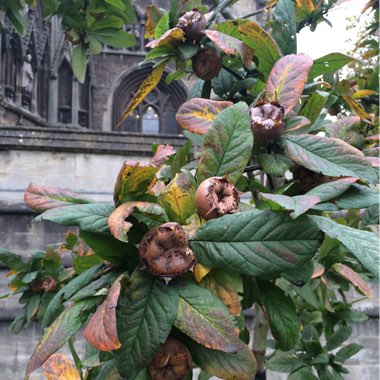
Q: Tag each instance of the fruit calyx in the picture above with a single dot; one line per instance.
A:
(172, 362)
(267, 122)
(215, 197)
(192, 23)
(164, 252)
(207, 63)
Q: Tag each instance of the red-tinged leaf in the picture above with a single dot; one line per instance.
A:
(171, 38)
(59, 367)
(41, 198)
(375, 161)
(197, 114)
(287, 80)
(101, 331)
(153, 15)
(231, 46)
(163, 153)
(355, 279)
(133, 178)
(59, 332)
(319, 269)
(146, 87)
(119, 225)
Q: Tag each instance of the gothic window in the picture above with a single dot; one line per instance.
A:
(9, 74)
(84, 102)
(43, 85)
(156, 113)
(65, 91)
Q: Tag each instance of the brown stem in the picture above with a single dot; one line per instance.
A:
(260, 332)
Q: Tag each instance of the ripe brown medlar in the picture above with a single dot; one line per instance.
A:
(172, 362)
(192, 23)
(215, 197)
(309, 179)
(49, 284)
(164, 252)
(207, 63)
(267, 122)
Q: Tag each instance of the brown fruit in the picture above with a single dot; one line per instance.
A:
(49, 284)
(215, 197)
(192, 23)
(309, 179)
(172, 362)
(207, 63)
(164, 252)
(267, 122)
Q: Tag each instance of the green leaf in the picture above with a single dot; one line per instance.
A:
(256, 242)
(228, 144)
(203, 317)
(117, 3)
(284, 29)
(114, 38)
(162, 26)
(313, 106)
(240, 365)
(363, 244)
(282, 313)
(283, 362)
(338, 338)
(12, 261)
(76, 284)
(32, 308)
(110, 249)
(287, 80)
(307, 294)
(92, 217)
(328, 64)
(79, 61)
(358, 196)
(304, 373)
(178, 198)
(274, 164)
(328, 156)
(62, 329)
(370, 217)
(195, 138)
(95, 45)
(265, 49)
(181, 158)
(16, 15)
(348, 351)
(83, 263)
(145, 316)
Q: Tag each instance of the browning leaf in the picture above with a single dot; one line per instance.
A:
(101, 331)
(59, 367)
(162, 154)
(41, 198)
(355, 279)
(287, 80)
(119, 225)
(197, 114)
(153, 15)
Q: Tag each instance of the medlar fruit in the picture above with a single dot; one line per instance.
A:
(207, 63)
(192, 23)
(164, 252)
(172, 362)
(267, 122)
(215, 197)
(309, 179)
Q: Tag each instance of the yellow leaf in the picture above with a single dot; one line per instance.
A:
(200, 271)
(357, 108)
(146, 87)
(59, 367)
(178, 198)
(171, 38)
(363, 93)
(306, 5)
(153, 15)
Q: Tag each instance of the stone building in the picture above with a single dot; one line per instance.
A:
(56, 131)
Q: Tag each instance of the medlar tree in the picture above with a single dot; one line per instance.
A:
(185, 250)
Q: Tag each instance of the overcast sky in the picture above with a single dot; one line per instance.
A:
(324, 39)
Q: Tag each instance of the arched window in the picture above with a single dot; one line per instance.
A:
(156, 113)
(84, 101)
(43, 85)
(9, 70)
(65, 92)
